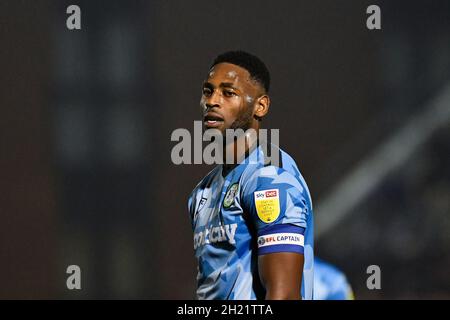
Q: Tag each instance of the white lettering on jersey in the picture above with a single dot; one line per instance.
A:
(215, 234)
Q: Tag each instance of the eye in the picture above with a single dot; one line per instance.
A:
(206, 91)
(228, 93)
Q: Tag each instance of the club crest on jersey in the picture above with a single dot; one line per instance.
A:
(200, 206)
(267, 204)
(201, 203)
(230, 195)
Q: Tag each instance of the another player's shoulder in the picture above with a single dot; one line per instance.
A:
(330, 283)
(327, 272)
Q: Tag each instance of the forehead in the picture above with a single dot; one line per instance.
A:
(231, 73)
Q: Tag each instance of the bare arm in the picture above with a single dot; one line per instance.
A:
(281, 275)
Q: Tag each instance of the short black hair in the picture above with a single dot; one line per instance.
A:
(257, 69)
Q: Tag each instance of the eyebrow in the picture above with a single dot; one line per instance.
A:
(222, 85)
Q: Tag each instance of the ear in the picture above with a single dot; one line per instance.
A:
(262, 106)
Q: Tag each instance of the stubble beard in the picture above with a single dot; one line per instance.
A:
(244, 121)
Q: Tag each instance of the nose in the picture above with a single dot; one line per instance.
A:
(213, 100)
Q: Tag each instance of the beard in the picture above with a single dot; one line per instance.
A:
(244, 120)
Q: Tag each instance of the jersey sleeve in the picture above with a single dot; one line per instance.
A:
(277, 205)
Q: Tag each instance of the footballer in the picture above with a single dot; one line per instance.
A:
(330, 283)
(252, 219)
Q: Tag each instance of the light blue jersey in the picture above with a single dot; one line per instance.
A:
(254, 209)
(330, 283)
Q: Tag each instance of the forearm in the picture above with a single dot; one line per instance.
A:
(281, 275)
(282, 293)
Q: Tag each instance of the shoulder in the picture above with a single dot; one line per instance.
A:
(284, 176)
(275, 165)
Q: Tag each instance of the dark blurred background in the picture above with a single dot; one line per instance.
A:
(86, 118)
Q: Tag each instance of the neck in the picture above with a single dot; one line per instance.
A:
(236, 151)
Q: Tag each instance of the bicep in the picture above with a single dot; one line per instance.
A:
(281, 274)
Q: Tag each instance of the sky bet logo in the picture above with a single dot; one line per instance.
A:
(215, 234)
(266, 194)
(259, 195)
(271, 193)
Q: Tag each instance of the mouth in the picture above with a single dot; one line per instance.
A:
(212, 120)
